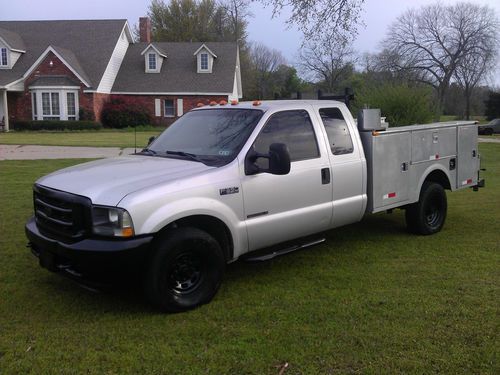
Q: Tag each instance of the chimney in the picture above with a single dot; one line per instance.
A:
(145, 29)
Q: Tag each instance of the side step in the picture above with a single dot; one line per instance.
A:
(262, 257)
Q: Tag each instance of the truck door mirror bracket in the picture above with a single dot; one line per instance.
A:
(279, 160)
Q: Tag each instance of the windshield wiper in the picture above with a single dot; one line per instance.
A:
(147, 151)
(184, 154)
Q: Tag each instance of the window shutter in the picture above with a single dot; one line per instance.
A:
(157, 107)
(180, 107)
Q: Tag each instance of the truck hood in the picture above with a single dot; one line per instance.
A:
(107, 181)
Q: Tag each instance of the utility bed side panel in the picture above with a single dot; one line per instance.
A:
(468, 158)
(433, 144)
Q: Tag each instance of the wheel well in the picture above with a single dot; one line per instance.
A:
(213, 226)
(439, 177)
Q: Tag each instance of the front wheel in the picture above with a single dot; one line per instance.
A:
(185, 270)
(427, 216)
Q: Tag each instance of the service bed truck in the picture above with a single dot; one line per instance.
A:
(226, 181)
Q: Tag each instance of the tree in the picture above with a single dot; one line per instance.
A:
(264, 61)
(327, 61)
(433, 41)
(201, 21)
(331, 18)
(493, 105)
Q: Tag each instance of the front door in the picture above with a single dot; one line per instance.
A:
(283, 207)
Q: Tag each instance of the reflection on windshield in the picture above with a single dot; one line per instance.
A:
(213, 136)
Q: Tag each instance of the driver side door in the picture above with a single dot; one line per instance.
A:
(283, 207)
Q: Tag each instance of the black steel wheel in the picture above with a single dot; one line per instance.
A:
(427, 216)
(185, 270)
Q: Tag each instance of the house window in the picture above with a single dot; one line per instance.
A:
(71, 105)
(55, 105)
(3, 56)
(152, 61)
(204, 61)
(34, 106)
(169, 108)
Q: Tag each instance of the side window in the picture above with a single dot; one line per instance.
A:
(337, 131)
(293, 128)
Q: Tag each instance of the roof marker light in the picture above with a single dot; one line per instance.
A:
(213, 103)
(222, 102)
(256, 103)
(234, 102)
(200, 105)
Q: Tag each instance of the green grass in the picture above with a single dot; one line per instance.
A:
(372, 300)
(101, 138)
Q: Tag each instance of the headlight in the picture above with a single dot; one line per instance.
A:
(111, 221)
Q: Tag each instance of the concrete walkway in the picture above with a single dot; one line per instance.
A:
(30, 152)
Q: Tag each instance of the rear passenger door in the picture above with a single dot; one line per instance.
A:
(280, 208)
(347, 164)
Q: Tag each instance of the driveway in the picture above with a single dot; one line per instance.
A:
(29, 152)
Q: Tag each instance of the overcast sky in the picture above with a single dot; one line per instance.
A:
(377, 15)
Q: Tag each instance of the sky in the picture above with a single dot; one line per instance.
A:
(377, 16)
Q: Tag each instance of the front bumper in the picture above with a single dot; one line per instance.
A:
(90, 258)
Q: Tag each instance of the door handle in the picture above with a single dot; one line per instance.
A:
(325, 176)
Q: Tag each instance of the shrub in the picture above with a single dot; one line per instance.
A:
(401, 104)
(56, 125)
(86, 115)
(118, 114)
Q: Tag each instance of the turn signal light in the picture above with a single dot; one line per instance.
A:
(127, 232)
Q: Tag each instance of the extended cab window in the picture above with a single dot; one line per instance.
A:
(293, 128)
(337, 131)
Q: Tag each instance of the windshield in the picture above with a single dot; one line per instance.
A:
(213, 136)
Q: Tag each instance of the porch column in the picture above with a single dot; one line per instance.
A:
(5, 111)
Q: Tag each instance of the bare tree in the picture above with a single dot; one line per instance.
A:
(328, 61)
(237, 12)
(321, 17)
(264, 61)
(434, 40)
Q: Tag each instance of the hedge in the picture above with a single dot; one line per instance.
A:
(56, 125)
(118, 114)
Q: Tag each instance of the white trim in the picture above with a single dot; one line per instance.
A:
(43, 55)
(180, 107)
(169, 93)
(54, 87)
(151, 45)
(9, 46)
(158, 107)
(63, 103)
(208, 49)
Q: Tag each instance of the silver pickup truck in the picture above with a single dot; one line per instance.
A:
(242, 180)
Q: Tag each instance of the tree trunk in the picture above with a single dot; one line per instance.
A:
(468, 93)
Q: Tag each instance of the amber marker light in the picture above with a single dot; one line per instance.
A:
(375, 133)
(234, 102)
(213, 103)
(256, 103)
(200, 105)
(222, 102)
(127, 232)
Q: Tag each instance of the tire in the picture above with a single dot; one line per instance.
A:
(185, 270)
(427, 216)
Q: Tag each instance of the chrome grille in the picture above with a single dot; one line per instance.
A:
(61, 215)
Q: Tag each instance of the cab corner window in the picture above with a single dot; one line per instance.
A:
(337, 131)
(293, 128)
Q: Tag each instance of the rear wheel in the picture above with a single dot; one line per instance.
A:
(427, 216)
(185, 270)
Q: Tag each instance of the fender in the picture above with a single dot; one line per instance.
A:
(428, 171)
(182, 208)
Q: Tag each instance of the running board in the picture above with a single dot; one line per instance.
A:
(277, 253)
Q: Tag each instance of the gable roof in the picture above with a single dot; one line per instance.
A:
(204, 46)
(13, 40)
(179, 71)
(87, 45)
(158, 51)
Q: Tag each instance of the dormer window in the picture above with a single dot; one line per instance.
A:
(153, 58)
(3, 57)
(204, 61)
(152, 61)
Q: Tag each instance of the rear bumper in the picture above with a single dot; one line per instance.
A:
(89, 258)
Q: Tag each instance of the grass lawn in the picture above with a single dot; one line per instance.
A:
(372, 300)
(97, 138)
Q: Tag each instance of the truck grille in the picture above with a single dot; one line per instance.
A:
(59, 215)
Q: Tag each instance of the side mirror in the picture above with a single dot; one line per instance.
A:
(151, 139)
(279, 160)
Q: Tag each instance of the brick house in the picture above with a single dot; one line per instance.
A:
(55, 70)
